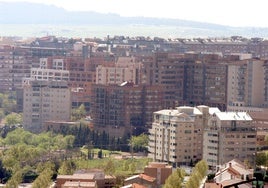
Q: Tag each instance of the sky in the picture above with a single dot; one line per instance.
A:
(226, 12)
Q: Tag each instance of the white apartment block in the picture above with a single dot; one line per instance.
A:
(45, 101)
(57, 64)
(49, 74)
(229, 135)
(246, 86)
(176, 135)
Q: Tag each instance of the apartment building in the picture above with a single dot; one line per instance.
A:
(49, 74)
(265, 69)
(256, 46)
(166, 70)
(45, 101)
(260, 121)
(119, 108)
(124, 69)
(205, 80)
(15, 63)
(246, 85)
(229, 135)
(176, 135)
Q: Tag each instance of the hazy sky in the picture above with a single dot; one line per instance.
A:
(226, 12)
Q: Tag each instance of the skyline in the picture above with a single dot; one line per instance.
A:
(230, 13)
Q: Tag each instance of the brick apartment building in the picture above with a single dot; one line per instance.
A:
(125, 106)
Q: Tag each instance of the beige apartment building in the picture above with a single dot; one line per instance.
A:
(176, 135)
(229, 135)
(45, 101)
(246, 85)
(125, 69)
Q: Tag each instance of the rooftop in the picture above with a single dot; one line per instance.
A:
(236, 116)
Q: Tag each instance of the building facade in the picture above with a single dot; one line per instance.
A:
(124, 106)
(229, 135)
(176, 135)
(45, 101)
(246, 84)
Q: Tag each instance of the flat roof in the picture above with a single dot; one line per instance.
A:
(236, 116)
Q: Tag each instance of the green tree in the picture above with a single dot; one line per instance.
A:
(126, 165)
(109, 168)
(15, 179)
(100, 154)
(44, 178)
(139, 143)
(175, 180)
(266, 139)
(198, 174)
(7, 103)
(13, 119)
(78, 113)
(67, 167)
(261, 158)
(132, 167)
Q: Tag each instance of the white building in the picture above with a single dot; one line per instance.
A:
(49, 74)
(176, 135)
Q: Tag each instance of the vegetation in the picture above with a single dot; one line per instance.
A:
(261, 159)
(198, 174)
(115, 166)
(28, 157)
(7, 104)
(24, 152)
(13, 119)
(139, 143)
(78, 113)
(175, 180)
(85, 136)
(45, 176)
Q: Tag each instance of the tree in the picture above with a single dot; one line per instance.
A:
(139, 143)
(7, 103)
(175, 179)
(109, 167)
(132, 167)
(198, 174)
(67, 168)
(100, 154)
(261, 159)
(15, 180)
(44, 178)
(78, 113)
(13, 119)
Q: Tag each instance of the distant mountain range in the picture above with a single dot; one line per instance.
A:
(33, 13)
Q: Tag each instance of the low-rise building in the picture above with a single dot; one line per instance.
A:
(92, 178)
(232, 172)
(155, 175)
